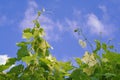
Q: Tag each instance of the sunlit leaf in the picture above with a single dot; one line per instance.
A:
(88, 71)
(27, 35)
(89, 59)
(78, 60)
(41, 32)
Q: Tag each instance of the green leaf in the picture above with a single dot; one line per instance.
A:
(22, 52)
(16, 70)
(45, 63)
(78, 74)
(22, 44)
(78, 60)
(27, 35)
(112, 57)
(89, 70)
(111, 46)
(98, 46)
(27, 30)
(39, 13)
(35, 32)
(104, 46)
(66, 66)
(41, 32)
(43, 44)
(37, 24)
(9, 62)
(94, 78)
(28, 59)
(108, 75)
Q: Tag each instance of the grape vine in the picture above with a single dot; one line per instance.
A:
(37, 63)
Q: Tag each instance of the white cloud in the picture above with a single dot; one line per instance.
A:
(30, 15)
(105, 15)
(72, 25)
(3, 59)
(91, 23)
(55, 29)
(95, 25)
(103, 8)
(60, 26)
(52, 29)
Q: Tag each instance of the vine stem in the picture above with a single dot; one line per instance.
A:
(85, 38)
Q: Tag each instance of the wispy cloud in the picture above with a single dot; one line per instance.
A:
(72, 25)
(51, 27)
(103, 8)
(29, 16)
(55, 28)
(91, 23)
(95, 25)
(3, 59)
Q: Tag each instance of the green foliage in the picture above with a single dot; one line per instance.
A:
(41, 65)
(96, 67)
(98, 46)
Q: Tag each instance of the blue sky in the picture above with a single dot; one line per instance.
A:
(59, 20)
